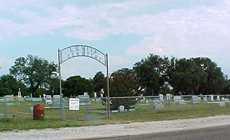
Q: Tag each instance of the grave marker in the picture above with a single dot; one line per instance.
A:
(205, 98)
(195, 99)
(218, 98)
(211, 98)
(161, 96)
(121, 108)
(56, 101)
(169, 97)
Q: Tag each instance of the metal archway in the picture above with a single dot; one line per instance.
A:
(83, 51)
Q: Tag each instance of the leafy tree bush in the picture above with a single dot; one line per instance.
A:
(124, 83)
(99, 82)
(77, 85)
(152, 73)
(33, 71)
(10, 86)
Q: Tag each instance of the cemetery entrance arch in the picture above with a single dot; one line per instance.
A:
(84, 51)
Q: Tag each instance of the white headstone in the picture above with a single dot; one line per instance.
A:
(86, 94)
(168, 97)
(218, 98)
(48, 99)
(224, 99)
(161, 96)
(74, 104)
(195, 99)
(205, 98)
(56, 100)
(178, 100)
(19, 93)
(121, 108)
(95, 95)
(102, 91)
(9, 98)
(211, 98)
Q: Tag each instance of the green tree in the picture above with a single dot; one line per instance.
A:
(53, 86)
(188, 77)
(99, 82)
(35, 72)
(124, 83)
(196, 76)
(10, 86)
(226, 89)
(215, 78)
(77, 85)
(152, 73)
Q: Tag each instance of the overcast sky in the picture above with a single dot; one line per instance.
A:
(126, 29)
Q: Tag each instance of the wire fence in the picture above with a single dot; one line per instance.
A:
(21, 108)
(95, 109)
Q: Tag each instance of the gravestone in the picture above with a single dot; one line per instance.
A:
(178, 100)
(161, 97)
(48, 99)
(102, 93)
(56, 101)
(19, 93)
(95, 94)
(205, 98)
(211, 98)
(86, 94)
(169, 97)
(218, 98)
(35, 99)
(195, 99)
(27, 98)
(121, 108)
(146, 101)
(9, 98)
(84, 100)
(142, 99)
(224, 99)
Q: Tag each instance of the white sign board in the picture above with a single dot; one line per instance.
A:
(74, 104)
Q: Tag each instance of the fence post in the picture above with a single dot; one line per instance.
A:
(5, 108)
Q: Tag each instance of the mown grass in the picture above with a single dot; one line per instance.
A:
(170, 112)
(95, 115)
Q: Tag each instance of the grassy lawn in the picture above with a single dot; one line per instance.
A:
(95, 115)
(170, 112)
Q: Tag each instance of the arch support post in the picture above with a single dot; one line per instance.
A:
(108, 91)
(83, 51)
(62, 114)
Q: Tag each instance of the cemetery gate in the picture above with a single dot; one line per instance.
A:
(83, 51)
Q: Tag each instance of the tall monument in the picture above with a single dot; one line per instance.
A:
(19, 93)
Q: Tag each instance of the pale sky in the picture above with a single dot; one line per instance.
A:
(126, 29)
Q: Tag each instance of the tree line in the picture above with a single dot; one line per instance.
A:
(150, 76)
